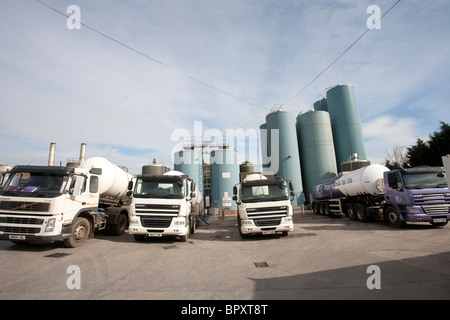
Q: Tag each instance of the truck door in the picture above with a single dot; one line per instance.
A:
(83, 193)
(395, 191)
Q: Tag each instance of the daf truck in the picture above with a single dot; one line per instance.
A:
(164, 205)
(49, 203)
(419, 194)
(264, 205)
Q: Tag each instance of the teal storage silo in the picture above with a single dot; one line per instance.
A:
(316, 147)
(224, 175)
(345, 123)
(190, 162)
(287, 160)
(321, 105)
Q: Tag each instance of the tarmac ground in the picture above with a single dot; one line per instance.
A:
(323, 258)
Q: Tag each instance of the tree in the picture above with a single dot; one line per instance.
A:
(397, 159)
(430, 153)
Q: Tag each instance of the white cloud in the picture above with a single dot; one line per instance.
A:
(383, 133)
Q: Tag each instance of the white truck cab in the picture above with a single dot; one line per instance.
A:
(264, 205)
(164, 205)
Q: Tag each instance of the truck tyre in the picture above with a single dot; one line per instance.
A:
(186, 236)
(393, 218)
(242, 235)
(119, 228)
(349, 211)
(360, 213)
(81, 229)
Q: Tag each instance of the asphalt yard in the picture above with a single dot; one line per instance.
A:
(323, 258)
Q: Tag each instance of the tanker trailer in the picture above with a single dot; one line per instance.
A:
(358, 194)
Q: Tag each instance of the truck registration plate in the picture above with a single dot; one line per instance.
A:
(268, 232)
(439, 220)
(16, 237)
(155, 234)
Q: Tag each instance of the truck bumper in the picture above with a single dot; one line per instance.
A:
(427, 218)
(416, 214)
(177, 228)
(249, 227)
(31, 238)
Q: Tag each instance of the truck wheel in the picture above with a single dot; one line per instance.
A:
(393, 218)
(350, 211)
(242, 235)
(119, 228)
(360, 213)
(186, 236)
(80, 233)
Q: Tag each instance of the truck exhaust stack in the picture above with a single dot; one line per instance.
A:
(51, 154)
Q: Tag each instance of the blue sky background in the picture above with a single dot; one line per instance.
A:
(73, 86)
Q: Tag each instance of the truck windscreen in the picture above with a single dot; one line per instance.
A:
(424, 180)
(159, 189)
(34, 184)
(260, 193)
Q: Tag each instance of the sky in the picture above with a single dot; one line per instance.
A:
(157, 70)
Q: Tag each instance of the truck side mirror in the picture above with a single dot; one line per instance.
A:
(235, 198)
(291, 186)
(130, 185)
(234, 191)
(193, 186)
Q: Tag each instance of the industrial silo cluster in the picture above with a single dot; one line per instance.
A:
(312, 147)
(215, 179)
(317, 144)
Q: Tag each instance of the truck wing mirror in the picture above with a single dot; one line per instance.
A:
(130, 185)
(234, 191)
(291, 186)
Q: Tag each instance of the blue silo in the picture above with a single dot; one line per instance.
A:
(224, 171)
(287, 159)
(190, 162)
(315, 143)
(345, 123)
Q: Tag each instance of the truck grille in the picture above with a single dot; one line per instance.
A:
(24, 206)
(156, 221)
(19, 230)
(160, 209)
(267, 222)
(434, 203)
(267, 212)
(17, 220)
(436, 209)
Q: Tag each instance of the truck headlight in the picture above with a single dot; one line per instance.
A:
(288, 219)
(413, 210)
(134, 221)
(50, 225)
(247, 222)
(178, 223)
